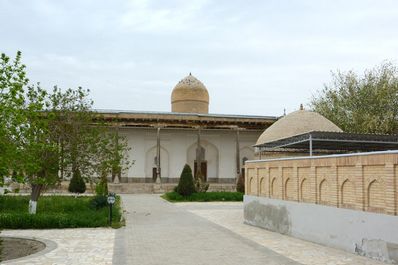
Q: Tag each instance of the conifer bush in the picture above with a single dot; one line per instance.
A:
(77, 184)
(186, 186)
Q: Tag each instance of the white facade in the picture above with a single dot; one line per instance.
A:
(178, 147)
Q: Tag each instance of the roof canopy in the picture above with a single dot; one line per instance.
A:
(334, 141)
(148, 119)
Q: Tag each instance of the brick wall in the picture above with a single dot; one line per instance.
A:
(365, 182)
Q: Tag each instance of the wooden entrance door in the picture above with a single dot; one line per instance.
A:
(154, 169)
(203, 169)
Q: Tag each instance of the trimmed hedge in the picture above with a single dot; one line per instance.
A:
(204, 196)
(55, 212)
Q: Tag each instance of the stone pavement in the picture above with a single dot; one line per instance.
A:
(230, 216)
(158, 232)
(82, 246)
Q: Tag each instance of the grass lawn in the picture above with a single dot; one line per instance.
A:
(204, 197)
(55, 212)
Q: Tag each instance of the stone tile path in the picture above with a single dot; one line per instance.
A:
(230, 216)
(158, 232)
(73, 246)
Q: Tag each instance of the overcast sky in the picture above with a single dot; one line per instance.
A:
(255, 57)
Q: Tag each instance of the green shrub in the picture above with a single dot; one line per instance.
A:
(240, 185)
(102, 187)
(200, 185)
(186, 186)
(98, 202)
(204, 196)
(77, 184)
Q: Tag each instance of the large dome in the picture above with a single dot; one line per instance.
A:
(190, 96)
(295, 123)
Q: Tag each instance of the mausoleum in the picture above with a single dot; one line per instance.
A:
(163, 142)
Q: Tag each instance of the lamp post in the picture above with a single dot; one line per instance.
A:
(111, 200)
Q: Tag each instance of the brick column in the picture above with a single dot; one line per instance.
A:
(390, 184)
(266, 181)
(246, 179)
(314, 184)
(296, 178)
(257, 178)
(335, 182)
(360, 186)
(280, 175)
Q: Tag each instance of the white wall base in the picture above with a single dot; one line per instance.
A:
(368, 234)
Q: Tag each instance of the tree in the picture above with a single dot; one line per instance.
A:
(361, 104)
(12, 82)
(38, 154)
(27, 149)
(240, 184)
(77, 184)
(186, 186)
(42, 133)
(87, 144)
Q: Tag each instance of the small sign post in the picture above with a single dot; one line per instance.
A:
(111, 200)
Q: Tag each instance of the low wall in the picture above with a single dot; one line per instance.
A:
(164, 187)
(346, 201)
(365, 233)
(129, 188)
(365, 181)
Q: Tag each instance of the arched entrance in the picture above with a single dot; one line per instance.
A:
(151, 162)
(209, 160)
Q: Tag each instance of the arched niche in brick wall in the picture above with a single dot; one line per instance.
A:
(376, 196)
(348, 194)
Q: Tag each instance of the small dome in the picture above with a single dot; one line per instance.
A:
(190, 96)
(295, 123)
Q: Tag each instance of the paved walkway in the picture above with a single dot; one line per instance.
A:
(159, 232)
(230, 216)
(83, 246)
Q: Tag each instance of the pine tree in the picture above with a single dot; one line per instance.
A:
(77, 184)
(186, 186)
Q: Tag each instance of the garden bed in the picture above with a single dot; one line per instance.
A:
(13, 248)
(204, 197)
(55, 212)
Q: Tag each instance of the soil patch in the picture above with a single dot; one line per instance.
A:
(13, 248)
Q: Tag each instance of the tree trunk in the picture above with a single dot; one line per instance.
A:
(62, 160)
(34, 196)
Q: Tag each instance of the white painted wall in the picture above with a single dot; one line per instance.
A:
(370, 234)
(178, 148)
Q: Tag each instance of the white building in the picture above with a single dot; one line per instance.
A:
(187, 135)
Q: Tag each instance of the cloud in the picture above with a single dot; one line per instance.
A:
(176, 16)
(255, 57)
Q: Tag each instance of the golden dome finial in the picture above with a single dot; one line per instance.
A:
(190, 96)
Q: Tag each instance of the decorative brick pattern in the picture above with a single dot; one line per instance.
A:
(365, 181)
